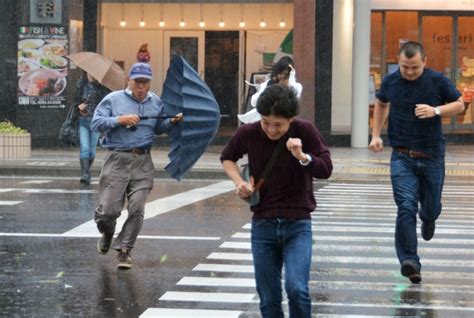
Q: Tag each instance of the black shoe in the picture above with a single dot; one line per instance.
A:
(124, 258)
(410, 270)
(103, 244)
(427, 230)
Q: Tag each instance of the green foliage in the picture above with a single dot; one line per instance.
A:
(7, 127)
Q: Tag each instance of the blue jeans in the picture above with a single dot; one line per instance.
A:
(415, 181)
(276, 242)
(88, 138)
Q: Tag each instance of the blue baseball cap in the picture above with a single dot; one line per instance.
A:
(140, 70)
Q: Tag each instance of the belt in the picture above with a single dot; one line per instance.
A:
(135, 151)
(413, 153)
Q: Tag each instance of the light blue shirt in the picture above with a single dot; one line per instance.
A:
(120, 137)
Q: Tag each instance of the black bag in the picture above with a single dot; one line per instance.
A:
(69, 132)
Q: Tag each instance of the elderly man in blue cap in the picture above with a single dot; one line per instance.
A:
(128, 171)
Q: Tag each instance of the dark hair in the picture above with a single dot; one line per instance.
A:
(411, 48)
(278, 100)
(283, 65)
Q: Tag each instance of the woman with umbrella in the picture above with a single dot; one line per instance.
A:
(88, 95)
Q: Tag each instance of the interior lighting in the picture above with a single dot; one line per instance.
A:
(262, 19)
(282, 14)
(162, 22)
(221, 22)
(122, 21)
(242, 22)
(182, 24)
(142, 20)
(202, 24)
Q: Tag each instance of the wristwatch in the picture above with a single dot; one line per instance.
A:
(307, 161)
(437, 111)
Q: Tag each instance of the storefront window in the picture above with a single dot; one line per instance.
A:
(376, 30)
(401, 26)
(437, 43)
(465, 67)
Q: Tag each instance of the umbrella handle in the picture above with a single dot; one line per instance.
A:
(159, 117)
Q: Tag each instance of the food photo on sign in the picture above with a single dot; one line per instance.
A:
(42, 67)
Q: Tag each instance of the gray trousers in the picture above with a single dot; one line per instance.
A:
(124, 177)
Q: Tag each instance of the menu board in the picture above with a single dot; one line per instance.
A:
(42, 66)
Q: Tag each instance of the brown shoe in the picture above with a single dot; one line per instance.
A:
(124, 258)
(410, 269)
(103, 244)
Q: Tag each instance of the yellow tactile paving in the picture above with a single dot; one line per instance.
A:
(386, 171)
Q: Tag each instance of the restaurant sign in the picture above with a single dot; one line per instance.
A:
(42, 66)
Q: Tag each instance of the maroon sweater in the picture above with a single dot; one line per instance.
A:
(288, 189)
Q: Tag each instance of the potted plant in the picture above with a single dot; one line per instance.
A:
(15, 143)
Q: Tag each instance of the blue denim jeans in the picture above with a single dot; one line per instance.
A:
(278, 242)
(87, 138)
(417, 186)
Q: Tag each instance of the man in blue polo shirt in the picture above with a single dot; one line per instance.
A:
(418, 97)
(128, 172)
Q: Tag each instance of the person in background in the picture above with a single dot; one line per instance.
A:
(88, 95)
(283, 73)
(281, 232)
(418, 97)
(128, 171)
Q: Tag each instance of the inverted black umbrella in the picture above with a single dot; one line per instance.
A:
(185, 92)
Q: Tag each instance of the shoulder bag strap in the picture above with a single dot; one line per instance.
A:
(271, 162)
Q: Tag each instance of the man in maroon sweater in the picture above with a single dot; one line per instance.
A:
(281, 223)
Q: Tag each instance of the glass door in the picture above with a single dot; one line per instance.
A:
(189, 44)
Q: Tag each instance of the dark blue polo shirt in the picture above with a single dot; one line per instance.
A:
(404, 128)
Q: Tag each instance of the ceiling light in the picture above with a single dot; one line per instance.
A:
(282, 24)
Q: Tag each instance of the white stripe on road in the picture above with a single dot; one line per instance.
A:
(224, 268)
(10, 202)
(242, 235)
(394, 306)
(216, 281)
(189, 313)
(390, 220)
(97, 235)
(163, 205)
(208, 297)
(351, 259)
(373, 229)
(468, 251)
(36, 181)
(319, 271)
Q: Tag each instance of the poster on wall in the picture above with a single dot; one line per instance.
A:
(42, 66)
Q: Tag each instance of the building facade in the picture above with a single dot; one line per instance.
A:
(234, 41)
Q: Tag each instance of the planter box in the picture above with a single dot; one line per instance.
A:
(15, 146)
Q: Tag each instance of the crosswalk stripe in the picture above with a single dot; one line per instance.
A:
(224, 268)
(217, 281)
(350, 259)
(211, 297)
(363, 249)
(339, 271)
(10, 202)
(242, 235)
(389, 220)
(189, 313)
(389, 229)
(163, 205)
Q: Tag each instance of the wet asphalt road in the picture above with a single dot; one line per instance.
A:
(192, 258)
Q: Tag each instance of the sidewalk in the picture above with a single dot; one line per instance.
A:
(348, 162)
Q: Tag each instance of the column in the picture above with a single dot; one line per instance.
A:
(360, 74)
